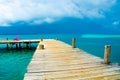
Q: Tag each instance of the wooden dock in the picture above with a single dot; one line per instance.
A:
(10, 43)
(59, 61)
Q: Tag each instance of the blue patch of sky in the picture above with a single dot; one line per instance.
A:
(109, 24)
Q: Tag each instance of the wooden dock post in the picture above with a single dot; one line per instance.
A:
(41, 46)
(11, 45)
(16, 45)
(19, 45)
(28, 45)
(73, 42)
(41, 39)
(7, 43)
(107, 54)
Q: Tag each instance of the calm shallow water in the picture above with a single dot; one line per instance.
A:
(13, 63)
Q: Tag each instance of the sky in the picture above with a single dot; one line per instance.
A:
(60, 16)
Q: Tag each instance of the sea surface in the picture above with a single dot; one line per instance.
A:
(13, 63)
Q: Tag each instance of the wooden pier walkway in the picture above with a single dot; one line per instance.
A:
(59, 61)
(18, 43)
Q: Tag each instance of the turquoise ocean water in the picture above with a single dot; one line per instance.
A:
(13, 63)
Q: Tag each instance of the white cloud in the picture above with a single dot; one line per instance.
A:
(39, 21)
(39, 11)
(116, 23)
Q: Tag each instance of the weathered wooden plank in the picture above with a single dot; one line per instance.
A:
(59, 61)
